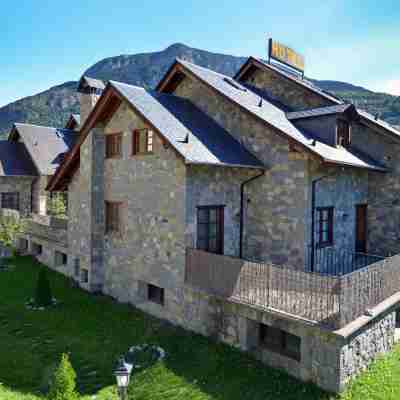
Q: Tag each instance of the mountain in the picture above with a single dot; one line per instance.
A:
(53, 106)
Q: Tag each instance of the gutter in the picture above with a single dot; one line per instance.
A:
(241, 226)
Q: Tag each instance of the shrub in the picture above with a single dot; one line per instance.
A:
(43, 296)
(11, 226)
(57, 206)
(63, 382)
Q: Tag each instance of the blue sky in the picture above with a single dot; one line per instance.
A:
(44, 43)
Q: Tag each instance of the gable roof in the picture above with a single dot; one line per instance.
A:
(74, 120)
(190, 131)
(45, 145)
(319, 111)
(86, 83)
(271, 115)
(15, 160)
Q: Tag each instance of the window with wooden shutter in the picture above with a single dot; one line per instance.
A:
(114, 145)
(210, 229)
(343, 133)
(113, 217)
(142, 141)
(325, 226)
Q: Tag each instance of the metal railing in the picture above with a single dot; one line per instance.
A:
(332, 301)
(337, 262)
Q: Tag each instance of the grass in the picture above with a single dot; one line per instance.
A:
(95, 330)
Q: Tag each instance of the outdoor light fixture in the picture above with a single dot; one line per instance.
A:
(122, 374)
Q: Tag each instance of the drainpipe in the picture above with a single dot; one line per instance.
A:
(313, 201)
(242, 185)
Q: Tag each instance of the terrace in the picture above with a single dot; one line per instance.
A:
(333, 297)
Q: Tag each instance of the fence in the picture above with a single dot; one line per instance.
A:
(330, 300)
(333, 261)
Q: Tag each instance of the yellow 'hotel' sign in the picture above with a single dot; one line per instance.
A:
(286, 55)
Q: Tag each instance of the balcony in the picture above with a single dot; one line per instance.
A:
(48, 228)
(329, 300)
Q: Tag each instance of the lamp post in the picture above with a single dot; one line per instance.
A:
(122, 374)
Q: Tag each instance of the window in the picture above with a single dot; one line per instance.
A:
(210, 229)
(60, 258)
(279, 341)
(343, 133)
(37, 249)
(114, 145)
(23, 244)
(113, 217)
(10, 200)
(142, 141)
(325, 226)
(77, 267)
(155, 294)
(84, 275)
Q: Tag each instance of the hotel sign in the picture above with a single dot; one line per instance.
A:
(286, 55)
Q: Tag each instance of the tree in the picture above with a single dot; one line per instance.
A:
(64, 381)
(43, 296)
(11, 226)
(57, 206)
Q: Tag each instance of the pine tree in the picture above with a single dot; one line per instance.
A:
(43, 297)
(64, 381)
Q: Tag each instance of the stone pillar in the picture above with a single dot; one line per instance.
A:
(93, 158)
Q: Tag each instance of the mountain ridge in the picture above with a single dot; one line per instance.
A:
(54, 105)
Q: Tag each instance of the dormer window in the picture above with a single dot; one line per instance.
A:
(343, 133)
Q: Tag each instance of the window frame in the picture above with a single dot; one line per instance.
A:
(112, 227)
(329, 228)
(150, 135)
(110, 151)
(219, 230)
(280, 345)
(10, 199)
(343, 133)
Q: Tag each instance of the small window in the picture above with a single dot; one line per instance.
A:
(279, 341)
(142, 141)
(343, 133)
(60, 258)
(77, 267)
(325, 226)
(113, 217)
(155, 294)
(10, 200)
(23, 244)
(210, 229)
(37, 249)
(114, 145)
(84, 275)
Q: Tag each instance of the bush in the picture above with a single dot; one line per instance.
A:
(43, 296)
(63, 382)
(11, 226)
(57, 206)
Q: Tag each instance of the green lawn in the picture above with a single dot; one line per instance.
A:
(95, 330)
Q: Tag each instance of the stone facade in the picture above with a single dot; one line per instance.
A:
(287, 92)
(328, 359)
(275, 229)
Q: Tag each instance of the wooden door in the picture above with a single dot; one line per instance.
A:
(361, 228)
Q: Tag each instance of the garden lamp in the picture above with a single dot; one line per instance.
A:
(122, 375)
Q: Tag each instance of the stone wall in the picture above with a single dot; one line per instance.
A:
(19, 184)
(328, 359)
(383, 189)
(286, 91)
(216, 186)
(275, 226)
(343, 189)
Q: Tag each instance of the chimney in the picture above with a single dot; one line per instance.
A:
(89, 90)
